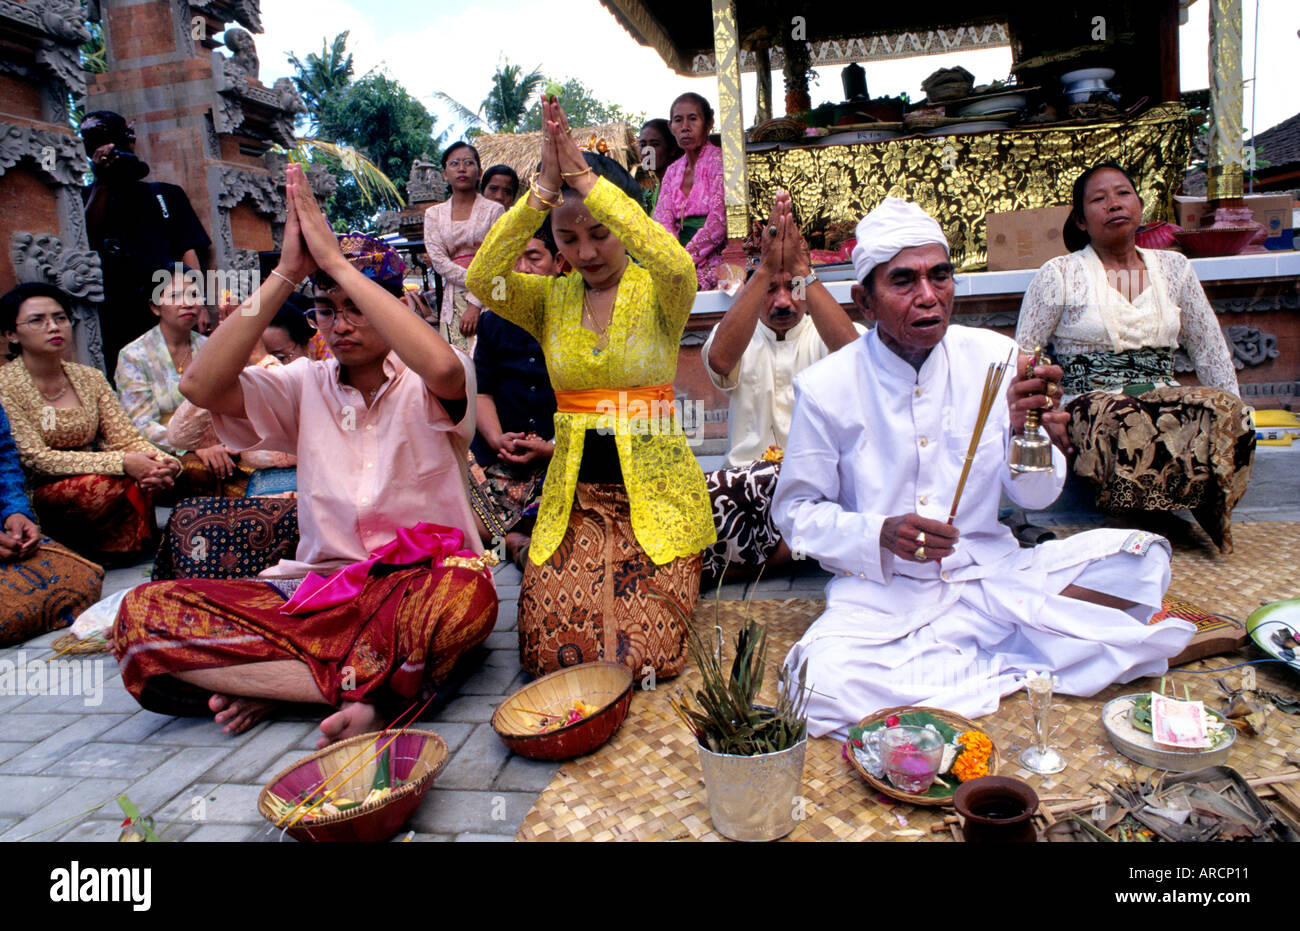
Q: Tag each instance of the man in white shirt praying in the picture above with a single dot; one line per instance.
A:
(920, 612)
(781, 322)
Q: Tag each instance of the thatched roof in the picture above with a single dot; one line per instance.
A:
(522, 151)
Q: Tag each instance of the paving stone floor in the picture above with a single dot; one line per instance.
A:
(64, 759)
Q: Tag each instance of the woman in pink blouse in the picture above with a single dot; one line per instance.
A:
(453, 231)
(691, 204)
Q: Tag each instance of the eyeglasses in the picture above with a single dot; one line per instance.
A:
(462, 163)
(44, 320)
(324, 317)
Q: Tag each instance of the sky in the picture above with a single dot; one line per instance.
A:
(455, 48)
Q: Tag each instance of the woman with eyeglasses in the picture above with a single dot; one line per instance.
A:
(381, 433)
(453, 231)
(95, 474)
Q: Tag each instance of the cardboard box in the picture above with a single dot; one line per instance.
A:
(1272, 210)
(1025, 238)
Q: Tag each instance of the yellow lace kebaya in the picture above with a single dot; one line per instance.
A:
(668, 500)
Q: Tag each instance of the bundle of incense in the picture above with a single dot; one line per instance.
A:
(992, 384)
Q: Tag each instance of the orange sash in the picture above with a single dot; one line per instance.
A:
(600, 400)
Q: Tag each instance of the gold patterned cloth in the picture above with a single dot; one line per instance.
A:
(59, 441)
(668, 501)
(1170, 448)
(960, 179)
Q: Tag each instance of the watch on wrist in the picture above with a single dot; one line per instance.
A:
(810, 277)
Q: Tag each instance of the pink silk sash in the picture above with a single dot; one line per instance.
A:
(423, 543)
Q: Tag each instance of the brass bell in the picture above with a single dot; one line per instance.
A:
(1031, 448)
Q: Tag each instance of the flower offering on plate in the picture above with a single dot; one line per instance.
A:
(887, 749)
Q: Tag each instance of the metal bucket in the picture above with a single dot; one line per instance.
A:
(755, 798)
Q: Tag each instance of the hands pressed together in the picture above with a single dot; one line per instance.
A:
(781, 246)
(562, 160)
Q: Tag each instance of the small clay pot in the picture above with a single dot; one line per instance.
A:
(997, 809)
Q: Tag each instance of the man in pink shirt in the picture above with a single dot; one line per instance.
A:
(380, 432)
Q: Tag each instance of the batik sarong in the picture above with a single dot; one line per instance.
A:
(106, 517)
(45, 591)
(500, 492)
(742, 513)
(599, 596)
(1169, 448)
(391, 645)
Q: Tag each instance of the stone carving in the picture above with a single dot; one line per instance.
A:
(290, 100)
(1238, 305)
(58, 156)
(388, 221)
(425, 183)
(323, 183)
(60, 23)
(248, 13)
(43, 257)
(60, 19)
(237, 184)
(243, 52)
(1248, 347)
(1270, 389)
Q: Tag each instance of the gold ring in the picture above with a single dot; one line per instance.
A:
(920, 552)
(920, 538)
(1051, 388)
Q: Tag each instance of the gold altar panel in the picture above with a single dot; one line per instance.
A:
(958, 179)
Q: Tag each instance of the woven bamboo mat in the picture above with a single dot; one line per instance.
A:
(645, 783)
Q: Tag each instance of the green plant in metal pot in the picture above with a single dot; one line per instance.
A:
(726, 715)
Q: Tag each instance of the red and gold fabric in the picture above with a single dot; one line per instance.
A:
(106, 516)
(398, 638)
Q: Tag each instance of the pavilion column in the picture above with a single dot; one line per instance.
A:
(731, 125)
(763, 101)
(1225, 157)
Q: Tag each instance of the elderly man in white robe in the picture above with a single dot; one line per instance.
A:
(920, 612)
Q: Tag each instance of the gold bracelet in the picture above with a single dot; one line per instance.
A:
(575, 174)
(533, 183)
(549, 204)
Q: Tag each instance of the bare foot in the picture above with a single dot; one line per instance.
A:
(237, 714)
(355, 717)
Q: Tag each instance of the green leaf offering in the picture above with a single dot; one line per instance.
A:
(382, 777)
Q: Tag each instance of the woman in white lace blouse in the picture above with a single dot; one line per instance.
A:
(1114, 314)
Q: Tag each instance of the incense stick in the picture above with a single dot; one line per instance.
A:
(992, 383)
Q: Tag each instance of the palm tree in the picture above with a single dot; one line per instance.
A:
(323, 75)
(503, 109)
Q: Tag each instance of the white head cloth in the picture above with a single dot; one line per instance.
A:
(889, 229)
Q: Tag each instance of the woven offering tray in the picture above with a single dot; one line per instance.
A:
(937, 794)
